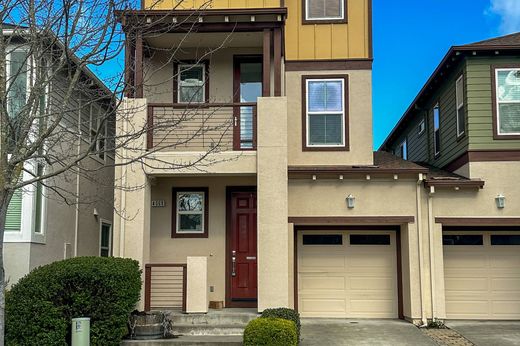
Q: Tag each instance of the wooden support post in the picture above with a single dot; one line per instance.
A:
(277, 50)
(139, 65)
(129, 66)
(266, 84)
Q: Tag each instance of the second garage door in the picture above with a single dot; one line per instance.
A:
(347, 274)
(482, 275)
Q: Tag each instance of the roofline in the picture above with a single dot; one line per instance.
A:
(353, 170)
(451, 52)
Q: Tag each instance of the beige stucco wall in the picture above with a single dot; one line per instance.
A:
(360, 121)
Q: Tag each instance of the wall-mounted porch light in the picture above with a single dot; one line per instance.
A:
(351, 201)
(501, 201)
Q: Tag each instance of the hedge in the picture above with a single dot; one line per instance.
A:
(39, 308)
(270, 331)
(286, 314)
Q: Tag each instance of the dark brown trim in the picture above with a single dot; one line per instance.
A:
(328, 65)
(174, 233)
(203, 12)
(353, 170)
(455, 183)
(277, 51)
(398, 250)
(306, 21)
(370, 31)
(478, 221)
(266, 64)
(496, 135)
(129, 67)
(149, 128)
(483, 156)
(346, 146)
(229, 303)
(148, 282)
(176, 76)
(481, 228)
(139, 66)
(350, 220)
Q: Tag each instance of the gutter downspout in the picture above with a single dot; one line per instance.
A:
(431, 226)
(420, 248)
(78, 152)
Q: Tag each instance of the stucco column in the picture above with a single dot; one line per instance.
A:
(273, 240)
(131, 236)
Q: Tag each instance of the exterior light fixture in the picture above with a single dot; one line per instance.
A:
(501, 201)
(351, 200)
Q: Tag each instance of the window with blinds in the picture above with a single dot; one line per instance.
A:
(324, 9)
(14, 213)
(325, 104)
(508, 101)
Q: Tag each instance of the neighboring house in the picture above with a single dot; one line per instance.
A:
(292, 207)
(466, 120)
(40, 226)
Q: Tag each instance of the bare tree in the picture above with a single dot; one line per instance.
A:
(48, 131)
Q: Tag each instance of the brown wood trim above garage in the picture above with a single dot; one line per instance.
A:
(350, 220)
(328, 65)
(478, 221)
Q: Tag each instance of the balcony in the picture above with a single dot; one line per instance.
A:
(208, 127)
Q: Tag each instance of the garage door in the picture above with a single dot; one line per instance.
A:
(482, 275)
(347, 274)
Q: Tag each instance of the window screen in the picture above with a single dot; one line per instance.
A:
(325, 9)
(369, 239)
(322, 239)
(468, 239)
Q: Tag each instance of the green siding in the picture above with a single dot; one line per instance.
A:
(480, 115)
(14, 213)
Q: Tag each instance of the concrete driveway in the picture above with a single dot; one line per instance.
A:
(332, 332)
(488, 333)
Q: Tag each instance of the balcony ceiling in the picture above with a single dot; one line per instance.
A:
(209, 40)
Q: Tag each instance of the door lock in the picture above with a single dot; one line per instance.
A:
(233, 263)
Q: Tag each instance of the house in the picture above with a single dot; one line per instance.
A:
(260, 187)
(42, 225)
(466, 121)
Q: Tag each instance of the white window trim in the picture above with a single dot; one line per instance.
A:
(342, 17)
(110, 240)
(460, 131)
(498, 102)
(342, 113)
(178, 213)
(435, 144)
(422, 127)
(179, 67)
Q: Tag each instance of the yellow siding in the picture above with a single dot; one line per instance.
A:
(302, 42)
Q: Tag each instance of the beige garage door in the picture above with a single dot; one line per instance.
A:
(347, 274)
(482, 275)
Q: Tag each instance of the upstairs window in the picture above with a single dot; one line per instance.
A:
(436, 130)
(191, 86)
(421, 128)
(403, 150)
(507, 105)
(324, 10)
(17, 80)
(325, 119)
(461, 114)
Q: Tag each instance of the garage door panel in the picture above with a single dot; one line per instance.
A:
(319, 282)
(347, 281)
(482, 282)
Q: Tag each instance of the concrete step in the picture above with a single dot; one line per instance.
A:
(212, 319)
(205, 329)
(188, 341)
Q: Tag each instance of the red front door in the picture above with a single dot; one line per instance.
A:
(242, 253)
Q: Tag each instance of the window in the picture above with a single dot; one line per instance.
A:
(191, 86)
(13, 221)
(436, 130)
(507, 106)
(98, 131)
(508, 239)
(369, 239)
(325, 109)
(324, 11)
(461, 114)
(421, 128)
(105, 240)
(322, 239)
(39, 202)
(403, 150)
(469, 239)
(17, 89)
(190, 217)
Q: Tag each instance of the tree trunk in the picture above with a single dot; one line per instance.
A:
(4, 204)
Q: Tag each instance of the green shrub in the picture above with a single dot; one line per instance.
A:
(286, 314)
(270, 331)
(39, 308)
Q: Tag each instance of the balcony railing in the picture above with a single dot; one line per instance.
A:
(209, 126)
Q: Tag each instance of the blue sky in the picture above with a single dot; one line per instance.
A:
(412, 36)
